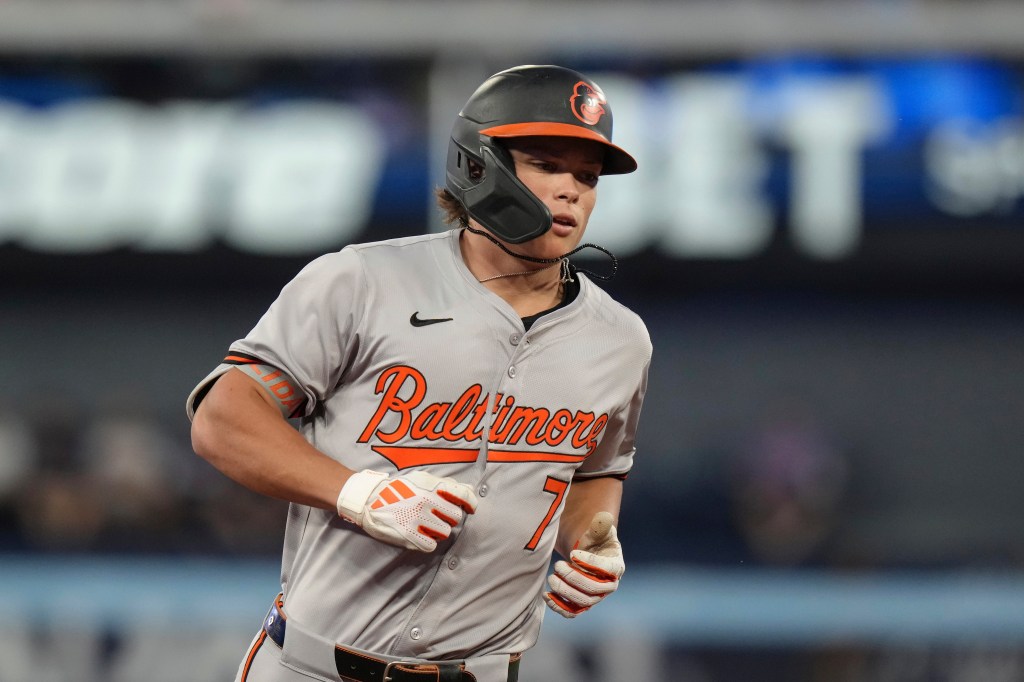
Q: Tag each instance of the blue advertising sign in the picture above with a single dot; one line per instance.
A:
(821, 153)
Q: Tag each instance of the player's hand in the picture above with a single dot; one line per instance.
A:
(415, 510)
(592, 572)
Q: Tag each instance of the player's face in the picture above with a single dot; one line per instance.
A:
(562, 172)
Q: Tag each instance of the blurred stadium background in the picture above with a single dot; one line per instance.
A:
(826, 239)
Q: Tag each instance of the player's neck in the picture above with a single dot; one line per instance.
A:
(528, 298)
(528, 287)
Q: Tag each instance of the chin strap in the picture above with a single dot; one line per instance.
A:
(564, 257)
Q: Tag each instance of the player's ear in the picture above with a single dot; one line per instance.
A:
(476, 171)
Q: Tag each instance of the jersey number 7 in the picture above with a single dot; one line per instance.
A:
(556, 487)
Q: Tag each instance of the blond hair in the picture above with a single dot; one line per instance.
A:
(453, 212)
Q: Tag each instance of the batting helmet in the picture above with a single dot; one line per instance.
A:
(520, 102)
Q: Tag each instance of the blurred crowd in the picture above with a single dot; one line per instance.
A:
(115, 478)
(776, 493)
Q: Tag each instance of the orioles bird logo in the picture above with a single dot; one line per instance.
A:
(587, 103)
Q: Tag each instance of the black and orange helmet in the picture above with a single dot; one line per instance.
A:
(524, 101)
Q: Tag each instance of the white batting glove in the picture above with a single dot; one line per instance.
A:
(414, 511)
(592, 572)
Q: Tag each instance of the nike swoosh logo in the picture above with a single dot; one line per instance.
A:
(416, 321)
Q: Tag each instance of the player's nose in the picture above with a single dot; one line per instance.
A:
(566, 187)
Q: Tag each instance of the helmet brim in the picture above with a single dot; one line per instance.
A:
(617, 161)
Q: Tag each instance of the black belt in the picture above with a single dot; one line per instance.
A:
(364, 668)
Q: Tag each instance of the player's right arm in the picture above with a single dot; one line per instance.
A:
(240, 430)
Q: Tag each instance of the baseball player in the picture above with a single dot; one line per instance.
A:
(465, 404)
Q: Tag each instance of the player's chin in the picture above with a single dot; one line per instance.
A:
(555, 242)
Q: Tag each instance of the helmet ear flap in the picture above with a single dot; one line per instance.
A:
(503, 204)
(463, 152)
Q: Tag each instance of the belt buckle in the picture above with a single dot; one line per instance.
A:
(391, 664)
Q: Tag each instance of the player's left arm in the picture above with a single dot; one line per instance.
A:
(585, 498)
(587, 537)
(587, 534)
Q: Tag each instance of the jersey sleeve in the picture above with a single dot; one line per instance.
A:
(614, 453)
(309, 332)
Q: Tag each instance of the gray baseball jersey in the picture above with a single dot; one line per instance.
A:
(408, 362)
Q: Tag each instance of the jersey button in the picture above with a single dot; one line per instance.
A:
(514, 339)
(452, 563)
(415, 633)
(483, 490)
(512, 372)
